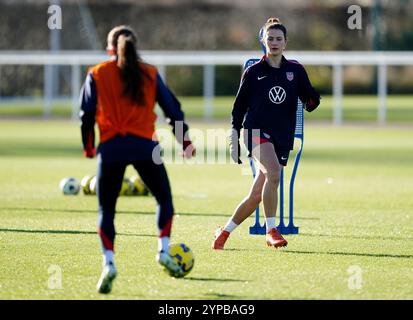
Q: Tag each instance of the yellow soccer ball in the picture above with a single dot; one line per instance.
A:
(183, 256)
(138, 188)
(125, 188)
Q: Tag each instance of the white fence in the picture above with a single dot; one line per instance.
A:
(209, 59)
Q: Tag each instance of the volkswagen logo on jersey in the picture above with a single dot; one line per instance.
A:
(277, 95)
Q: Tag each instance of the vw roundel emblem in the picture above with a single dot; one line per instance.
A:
(277, 95)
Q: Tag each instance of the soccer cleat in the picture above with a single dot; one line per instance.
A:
(221, 237)
(275, 239)
(170, 266)
(108, 275)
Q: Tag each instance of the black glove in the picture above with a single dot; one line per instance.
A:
(312, 103)
(234, 146)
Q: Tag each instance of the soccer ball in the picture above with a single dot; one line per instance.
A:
(183, 256)
(126, 187)
(69, 186)
(85, 184)
(138, 187)
(92, 185)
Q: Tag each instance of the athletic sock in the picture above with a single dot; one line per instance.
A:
(269, 223)
(163, 244)
(108, 258)
(230, 226)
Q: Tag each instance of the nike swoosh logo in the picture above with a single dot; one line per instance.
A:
(282, 158)
(260, 78)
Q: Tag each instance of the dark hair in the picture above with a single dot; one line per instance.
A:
(275, 23)
(123, 40)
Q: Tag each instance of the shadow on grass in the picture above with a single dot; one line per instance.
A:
(48, 210)
(238, 249)
(217, 296)
(375, 255)
(72, 232)
(355, 237)
(128, 212)
(213, 279)
(95, 211)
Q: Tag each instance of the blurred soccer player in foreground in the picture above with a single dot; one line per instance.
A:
(266, 107)
(120, 96)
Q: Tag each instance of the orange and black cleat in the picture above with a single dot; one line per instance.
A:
(275, 239)
(221, 237)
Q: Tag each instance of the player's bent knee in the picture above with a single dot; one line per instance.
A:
(273, 177)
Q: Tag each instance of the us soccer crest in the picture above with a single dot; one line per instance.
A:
(290, 76)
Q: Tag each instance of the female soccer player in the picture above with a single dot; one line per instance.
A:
(266, 106)
(120, 95)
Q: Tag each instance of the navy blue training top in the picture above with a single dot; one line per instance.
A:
(267, 99)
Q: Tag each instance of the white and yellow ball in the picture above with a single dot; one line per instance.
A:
(92, 185)
(85, 184)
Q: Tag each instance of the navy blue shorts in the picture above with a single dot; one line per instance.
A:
(255, 137)
(127, 148)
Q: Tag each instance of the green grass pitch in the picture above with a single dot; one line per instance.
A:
(353, 204)
(356, 108)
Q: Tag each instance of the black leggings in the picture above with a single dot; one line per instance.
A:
(109, 182)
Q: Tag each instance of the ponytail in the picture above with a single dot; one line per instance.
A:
(123, 39)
